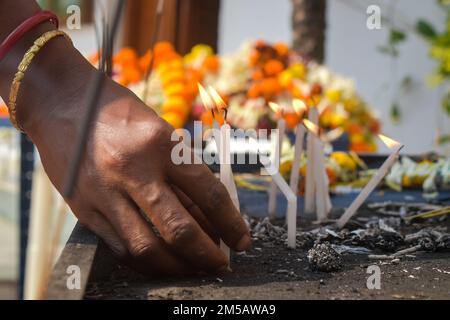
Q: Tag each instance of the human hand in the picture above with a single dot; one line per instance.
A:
(127, 181)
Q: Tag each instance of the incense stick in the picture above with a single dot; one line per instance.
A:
(156, 27)
(92, 102)
(430, 214)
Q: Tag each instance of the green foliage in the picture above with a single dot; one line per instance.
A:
(426, 30)
(395, 113)
(395, 38)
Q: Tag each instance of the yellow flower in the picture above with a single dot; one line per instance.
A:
(298, 70)
(285, 167)
(333, 95)
(337, 120)
(202, 49)
(175, 89)
(351, 104)
(173, 119)
(285, 78)
(343, 160)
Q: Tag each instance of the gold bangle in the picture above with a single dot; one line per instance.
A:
(23, 66)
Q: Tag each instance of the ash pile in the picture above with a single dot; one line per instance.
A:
(393, 231)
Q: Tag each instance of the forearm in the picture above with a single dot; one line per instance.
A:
(57, 73)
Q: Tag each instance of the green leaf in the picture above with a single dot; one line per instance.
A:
(389, 50)
(396, 36)
(395, 113)
(446, 104)
(441, 140)
(426, 30)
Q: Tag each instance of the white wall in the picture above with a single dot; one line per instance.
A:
(351, 49)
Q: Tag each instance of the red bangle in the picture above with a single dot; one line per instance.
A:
(24, 27)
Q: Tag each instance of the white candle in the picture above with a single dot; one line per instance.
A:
(299, 108)
(321, 194)
(226, 173)
(373, 183)
(291, 197)
(310, 183)
(321, 182)
(295, 172)
(291, 207)
(39, 246)
(276, 154)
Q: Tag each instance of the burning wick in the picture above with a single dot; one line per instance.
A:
(376, 179)
(276, 153)
(220, 104)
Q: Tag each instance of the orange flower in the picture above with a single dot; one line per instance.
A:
(257, 75)
(332, 177)
(363, 147)
(374, 126)
(145, 60)
(207, 118)
(162, 48)
(254, 91)
(126, 56)
(131, 75)
(273, 67)
(292, 119)
(270, 86)
(254, 57)
(281, 48)
(354, 128)
(211, 63)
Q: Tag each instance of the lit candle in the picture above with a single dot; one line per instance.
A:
(310, 183)
(209, 104)
(226, 172)
(373, 183)
(281, 126)
(322, 195)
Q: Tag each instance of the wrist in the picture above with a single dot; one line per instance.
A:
(57, 73)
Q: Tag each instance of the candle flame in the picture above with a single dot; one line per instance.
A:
(275, 108)
(220, 104)
(208, 103)
(333, 135)
(299, 106)
(311, 126)
(390, 143)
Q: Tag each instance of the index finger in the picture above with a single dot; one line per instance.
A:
(211, 196)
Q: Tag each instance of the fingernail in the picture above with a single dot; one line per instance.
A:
(244, 243)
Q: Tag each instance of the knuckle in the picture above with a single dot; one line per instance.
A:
(140, 247)
(153, 195)
(114, 160)
(180, 231)
(157, 134)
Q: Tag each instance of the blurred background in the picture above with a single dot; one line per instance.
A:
(395, 73)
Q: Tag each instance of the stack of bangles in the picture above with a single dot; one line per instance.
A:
(12, 38)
